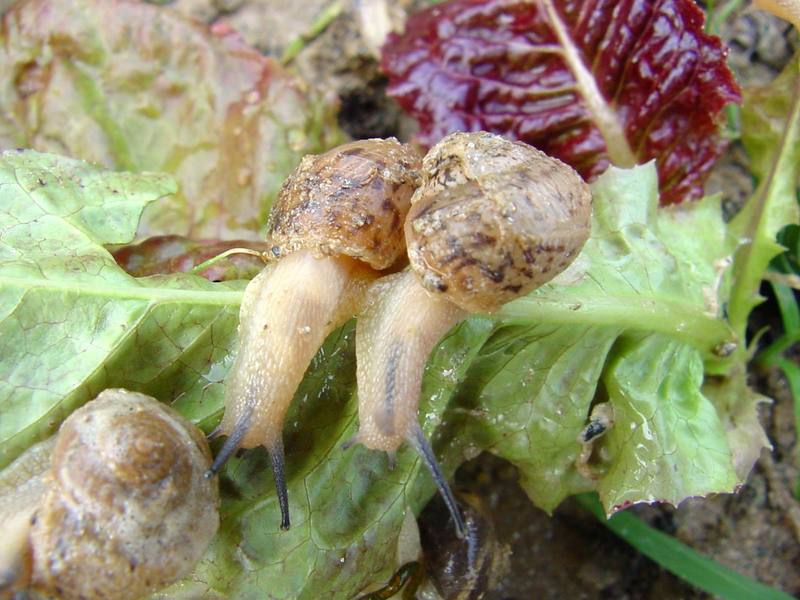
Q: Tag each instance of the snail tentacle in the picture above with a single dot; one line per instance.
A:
(420, 444)
(279, 474)
(231, 445)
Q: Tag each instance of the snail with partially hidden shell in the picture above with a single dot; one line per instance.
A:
(491, 221)
(337, 222)
(462, 568)
(457, 568)
(113, 506)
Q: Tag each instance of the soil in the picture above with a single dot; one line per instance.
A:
(571, 555)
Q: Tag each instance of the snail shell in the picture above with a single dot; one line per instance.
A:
(462, 568)
(351, 200)
(125, 509)
(493, 220)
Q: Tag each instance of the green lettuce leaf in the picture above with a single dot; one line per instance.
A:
(642, 268)
(140, 88)
(72, 322)
(628, 324)
(668, 442)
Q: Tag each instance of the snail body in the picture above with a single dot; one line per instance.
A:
(491, 220)
(122, 508)
(336, 223)
(265, 375)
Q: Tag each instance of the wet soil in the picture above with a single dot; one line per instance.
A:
(571, 555)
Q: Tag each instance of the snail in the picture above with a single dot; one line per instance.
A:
(113, 506)
(336, 223)
(491, 220)
(462, 568)
(458, 568)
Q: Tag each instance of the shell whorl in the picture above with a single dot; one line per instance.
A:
(351, 200)
(494, 219)
(127, 508)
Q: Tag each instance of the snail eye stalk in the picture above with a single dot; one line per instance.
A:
(230, 446)
(423, 448)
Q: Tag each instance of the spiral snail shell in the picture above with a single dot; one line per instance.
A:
(350, 201)
(457, 568)
(462, 568)
(494, 220)
(337, 220)
(122, 507)
(491, 220)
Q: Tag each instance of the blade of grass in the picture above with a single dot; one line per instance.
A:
(717, 15)
(792, 373)
(773, 355)
(790, 317)
(326, 17)
(679, 559)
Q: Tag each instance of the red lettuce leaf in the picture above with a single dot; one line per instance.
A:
(165, 254)
(593, 82)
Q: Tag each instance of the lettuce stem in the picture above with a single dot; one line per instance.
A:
(672, 318)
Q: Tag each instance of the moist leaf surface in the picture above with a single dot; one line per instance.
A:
(73, 322)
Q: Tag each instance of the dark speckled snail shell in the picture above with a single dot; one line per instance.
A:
(337, 220)
(122, 508)
(491, 221)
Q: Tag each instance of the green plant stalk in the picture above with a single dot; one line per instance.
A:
(719, 14)
(747, 271)
(679, 321)
(700, 330)
(679, 559)
(152, 294)
(792, 373)
(326, 17)
(197, 269)
(733, 122)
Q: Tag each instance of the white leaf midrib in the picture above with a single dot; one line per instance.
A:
(603, 115)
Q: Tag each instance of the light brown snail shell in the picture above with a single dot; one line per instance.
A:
(337, 219)
(350, 201)
(124, 508)
(494, 220)
(491, 221)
